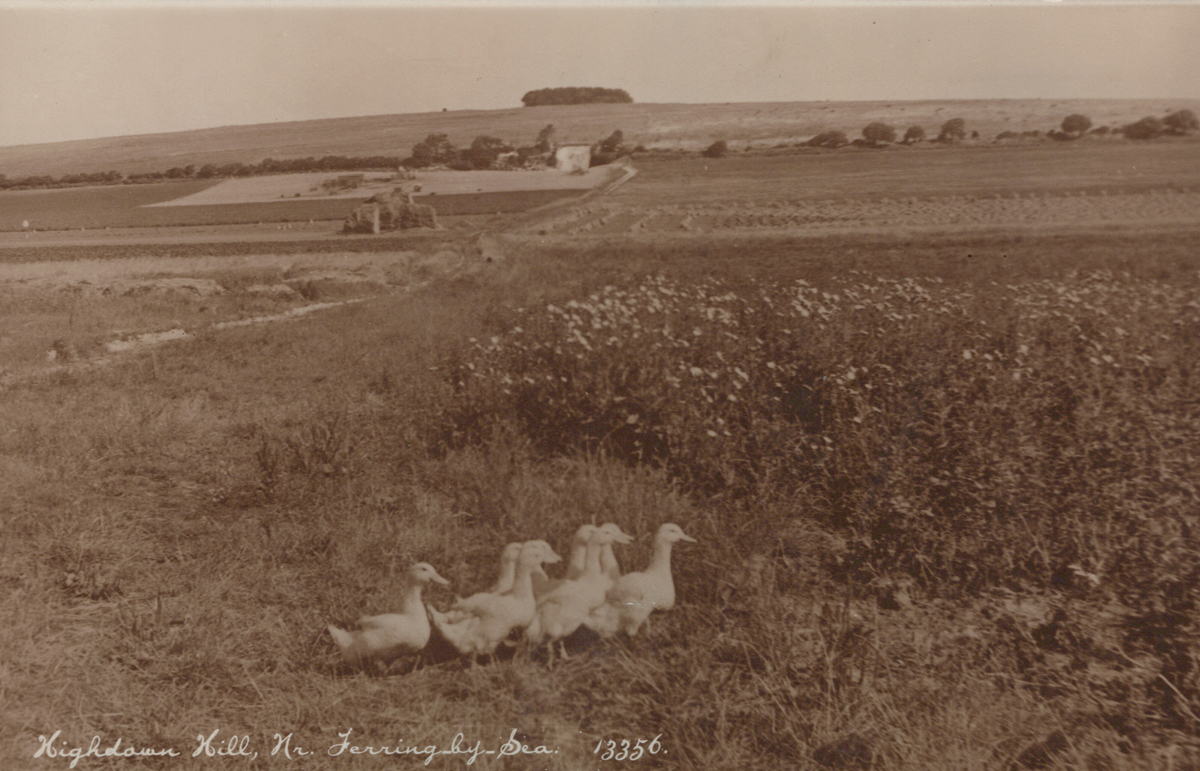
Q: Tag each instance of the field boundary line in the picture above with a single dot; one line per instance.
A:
(119, 350)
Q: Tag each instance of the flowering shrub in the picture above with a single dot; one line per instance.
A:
(1043, 430)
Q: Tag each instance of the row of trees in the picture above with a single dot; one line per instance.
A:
(1178, 123)
(434, 150)
(208, 171)
(878, 134)
(483, 153)
(575, 95)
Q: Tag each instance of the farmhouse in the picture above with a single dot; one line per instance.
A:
(573, 158)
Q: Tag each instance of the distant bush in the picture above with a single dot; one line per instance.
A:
(484, 151)
(1149, 127)
(1003, 135)
(545, 139)
(1100, 131)
(434, 149)
(1076, 125)
(716, 149)
(1181, 122)
(575, 95)
(878, 133)
(613, 143)
(914, 134)
(829, 139)
(953, 130)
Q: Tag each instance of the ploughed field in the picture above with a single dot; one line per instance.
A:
(1091, 183)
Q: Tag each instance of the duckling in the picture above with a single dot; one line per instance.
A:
(493, 617)
(635, 595)
(564, 610)
(384, 637)
(543, 584)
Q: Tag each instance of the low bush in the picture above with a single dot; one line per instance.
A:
(1076, 125)
(953, 130)
(1149, 127)
(879, 133)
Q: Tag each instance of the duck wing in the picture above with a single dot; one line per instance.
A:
(462, 634)
(604, 620)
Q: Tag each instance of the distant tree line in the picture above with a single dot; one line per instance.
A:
(435, 150)
(207, 171)
(575, 95)
(880, 134)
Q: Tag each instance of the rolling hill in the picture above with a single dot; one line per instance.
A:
(686, 126)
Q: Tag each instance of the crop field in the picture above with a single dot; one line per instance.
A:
(138, 206)
(921, 171)
(938, 451)
(1098, 185)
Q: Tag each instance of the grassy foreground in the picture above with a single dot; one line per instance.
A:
(947, 519)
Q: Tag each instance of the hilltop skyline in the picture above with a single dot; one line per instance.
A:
(88, 71)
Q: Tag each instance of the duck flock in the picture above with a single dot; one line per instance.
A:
(592, 594)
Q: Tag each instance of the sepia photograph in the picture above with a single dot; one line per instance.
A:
(600, 386)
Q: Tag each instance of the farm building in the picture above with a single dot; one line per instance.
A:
(573, 158)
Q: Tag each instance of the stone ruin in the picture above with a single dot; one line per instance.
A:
(390, 211)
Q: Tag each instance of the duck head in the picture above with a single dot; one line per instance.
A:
(618, 535)
(672, 533)
(548, 557)
(423, 573)
(510, 553)
(583, 535)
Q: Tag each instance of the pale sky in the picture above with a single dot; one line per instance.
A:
(88, 69)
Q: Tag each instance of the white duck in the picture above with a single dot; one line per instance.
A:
(494, 616)
(543, 584)
(509, 555)
(384, 637)
(635, 596)
(608, 560)
(563, 610)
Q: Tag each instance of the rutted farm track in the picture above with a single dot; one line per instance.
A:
(1165, 206)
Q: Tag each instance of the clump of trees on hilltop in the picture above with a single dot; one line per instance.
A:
(576, 95)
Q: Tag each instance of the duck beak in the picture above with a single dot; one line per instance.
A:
(439, 580)
(624, 538)
(688, 538)
(551, 558)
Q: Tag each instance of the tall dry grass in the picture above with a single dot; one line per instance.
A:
(179, 530)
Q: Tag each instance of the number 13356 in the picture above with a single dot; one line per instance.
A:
(624, 749)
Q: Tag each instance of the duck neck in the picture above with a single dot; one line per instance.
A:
(660, 562)
(523, 582)
(412, 596)
(508, 574)
(608, 560)
(578, 560)
(592, 568)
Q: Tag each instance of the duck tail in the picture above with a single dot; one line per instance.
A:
(346, 643)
